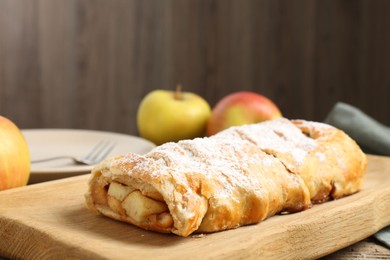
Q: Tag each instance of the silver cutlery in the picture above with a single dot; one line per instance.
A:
(98, 153)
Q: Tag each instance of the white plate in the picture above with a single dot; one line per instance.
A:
(44, 143)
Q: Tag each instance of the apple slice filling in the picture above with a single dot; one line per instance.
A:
(127, 201)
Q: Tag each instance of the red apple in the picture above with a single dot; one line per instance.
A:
(241, 108)
(14, 156)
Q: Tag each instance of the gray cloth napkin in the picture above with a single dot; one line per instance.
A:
(384, 236)
(372, 136)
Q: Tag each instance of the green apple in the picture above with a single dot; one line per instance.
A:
(241, 108)
(14, 156)
(169, 116)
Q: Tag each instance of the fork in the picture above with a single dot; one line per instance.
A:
(96, 155)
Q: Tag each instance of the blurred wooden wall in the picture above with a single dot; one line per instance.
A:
(88, 63)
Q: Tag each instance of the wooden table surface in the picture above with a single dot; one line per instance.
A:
(369, 248)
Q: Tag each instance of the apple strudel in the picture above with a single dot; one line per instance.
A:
(237, 177)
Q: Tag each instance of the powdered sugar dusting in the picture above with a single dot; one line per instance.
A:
(319, 125)
(226, 158)
(226, 161)
(279, 135)
(320, 156)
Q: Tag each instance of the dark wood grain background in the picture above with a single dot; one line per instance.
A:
(87, 64)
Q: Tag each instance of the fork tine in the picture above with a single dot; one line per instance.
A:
(104, 153)
(92, 152)
(100, 151)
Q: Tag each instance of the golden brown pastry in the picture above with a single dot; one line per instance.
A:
(237, 177)
(330, 163)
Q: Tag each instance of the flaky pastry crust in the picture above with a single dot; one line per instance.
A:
(237, 177)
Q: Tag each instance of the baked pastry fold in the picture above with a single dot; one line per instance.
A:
(237, 177)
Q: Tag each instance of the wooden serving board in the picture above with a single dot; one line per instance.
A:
(50, 221)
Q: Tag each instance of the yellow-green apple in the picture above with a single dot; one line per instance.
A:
(239, 108)
(169, 116)
(14, 156)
